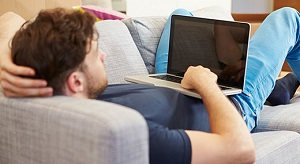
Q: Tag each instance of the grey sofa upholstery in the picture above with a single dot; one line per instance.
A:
(66, 130)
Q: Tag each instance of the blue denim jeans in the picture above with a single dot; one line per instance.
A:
(276, 40)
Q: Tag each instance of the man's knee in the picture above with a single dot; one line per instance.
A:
(286, 13)
(182, 11)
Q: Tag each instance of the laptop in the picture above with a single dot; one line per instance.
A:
(221, 46)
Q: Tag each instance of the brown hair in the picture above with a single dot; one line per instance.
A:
(54, 44)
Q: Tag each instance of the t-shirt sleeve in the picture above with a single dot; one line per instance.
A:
(168, 146)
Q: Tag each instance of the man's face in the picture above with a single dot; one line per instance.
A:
(94, 70)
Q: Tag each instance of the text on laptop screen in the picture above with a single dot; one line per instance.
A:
(218, 45)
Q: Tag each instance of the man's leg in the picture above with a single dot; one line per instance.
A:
(275, 40)
(161, 61)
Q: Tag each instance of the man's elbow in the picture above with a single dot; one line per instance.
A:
(246, 153)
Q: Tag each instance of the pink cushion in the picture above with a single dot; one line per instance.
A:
(104, 13)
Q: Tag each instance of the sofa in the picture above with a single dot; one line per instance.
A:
(66, 130)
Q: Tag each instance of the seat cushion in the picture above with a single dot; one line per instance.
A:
(282, 117)
(277, 147)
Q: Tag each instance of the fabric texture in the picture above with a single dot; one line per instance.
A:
(68, 130)
(146, 32)
(123, 57)
(277, 147)
(283, 117)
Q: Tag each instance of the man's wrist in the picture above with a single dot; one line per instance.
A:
(207, 90)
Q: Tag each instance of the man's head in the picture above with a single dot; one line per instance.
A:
(61, 46)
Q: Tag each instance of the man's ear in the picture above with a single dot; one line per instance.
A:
(75, 82)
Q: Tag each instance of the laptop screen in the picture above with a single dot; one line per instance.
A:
(218, 45)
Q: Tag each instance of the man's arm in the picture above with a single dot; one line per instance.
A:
(229, 140)
(13, 85)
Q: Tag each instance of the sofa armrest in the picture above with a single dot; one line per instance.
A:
(66, 130)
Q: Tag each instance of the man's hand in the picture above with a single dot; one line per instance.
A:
(199, 78)
(10, 74)
(15, 86)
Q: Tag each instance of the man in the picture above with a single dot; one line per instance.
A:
(61, 46)
(228, 141)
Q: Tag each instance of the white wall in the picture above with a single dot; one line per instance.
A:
(119, 5)
(165, 7)
(252, 6)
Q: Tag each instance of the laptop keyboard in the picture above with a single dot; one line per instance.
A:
(168, 78)
(177, 79)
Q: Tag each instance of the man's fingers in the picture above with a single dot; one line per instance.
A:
(15, 86)
(12, 91)
(18, 70)
(41, 93)
(22, 82)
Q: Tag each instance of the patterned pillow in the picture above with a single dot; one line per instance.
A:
(146, 32)
(102, 13)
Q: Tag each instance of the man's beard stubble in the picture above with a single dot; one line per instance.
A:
(95, 90)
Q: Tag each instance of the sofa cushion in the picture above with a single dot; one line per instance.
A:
(282, 117)
(277, 147)
(123, 57)
(146, 32)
